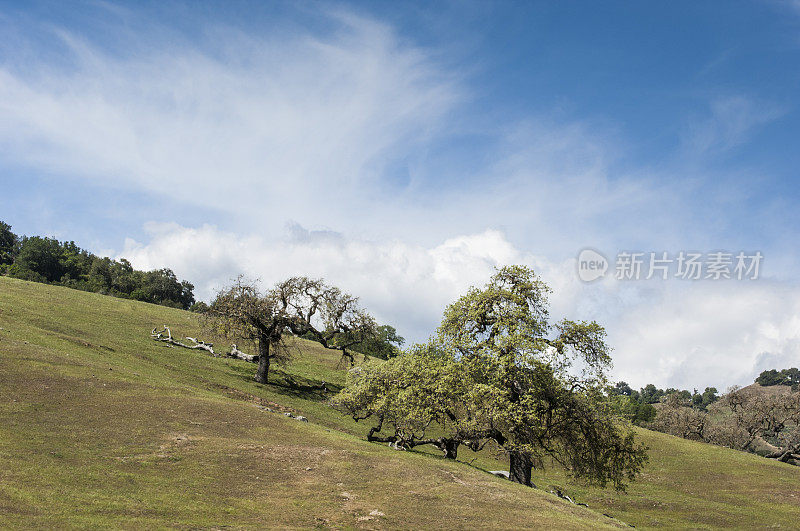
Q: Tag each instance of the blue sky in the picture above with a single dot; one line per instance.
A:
(402, 150)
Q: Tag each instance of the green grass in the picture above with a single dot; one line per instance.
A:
(691, 484)
(102, 427)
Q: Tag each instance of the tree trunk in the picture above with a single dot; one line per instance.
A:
(520, 468)
(784, 454)
(262, 375)
(450, 448)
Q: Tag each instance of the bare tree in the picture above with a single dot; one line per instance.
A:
(677, 417)
(772, 420)
(325, 314)
(300, 306)
(744, 419)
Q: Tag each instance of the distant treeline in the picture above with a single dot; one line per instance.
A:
(50, 261)
(638, 405)
(788, 377)
(749, 418)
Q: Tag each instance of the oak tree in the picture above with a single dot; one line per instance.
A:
(498, 371)
(299, 306)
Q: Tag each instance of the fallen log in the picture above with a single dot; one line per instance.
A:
(158, 335)
(238, 354)
(202, 345)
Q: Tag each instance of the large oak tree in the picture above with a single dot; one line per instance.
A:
(500, 372)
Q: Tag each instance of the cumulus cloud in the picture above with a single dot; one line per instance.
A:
(709, 333)
(336, 125)
(674, 333)
(404, 284)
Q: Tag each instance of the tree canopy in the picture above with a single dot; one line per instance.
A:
(637, 405)
(300, 306)
(48, 260)
(789, 377)
(498, 372)
(384, 344)
(8, 244)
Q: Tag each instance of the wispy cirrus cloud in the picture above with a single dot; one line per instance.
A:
(309, 126)
(337, 125)
(730, 123)
(246, 124)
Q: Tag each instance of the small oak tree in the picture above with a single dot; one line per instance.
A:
(300, 306)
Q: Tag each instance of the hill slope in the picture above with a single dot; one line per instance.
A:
(100, 426)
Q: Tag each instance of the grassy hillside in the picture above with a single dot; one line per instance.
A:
(100, 426)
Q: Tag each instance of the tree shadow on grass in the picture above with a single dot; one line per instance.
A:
(287, 384)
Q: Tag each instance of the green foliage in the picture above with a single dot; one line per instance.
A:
(43, 256)
(637, 412)
(790, 377)
(199, 307)
(541, 392)
(629, 403)
(384, 344)
(622, 388)
(644, 413)
(48, 260)
(702, 401)
(650, 394)
(408, 392)
(496, 374)
(8, 244)
(161, 286)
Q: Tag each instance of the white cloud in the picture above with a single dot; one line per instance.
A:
(732, 120)
(310, 126)
(709, 333)
(254, 124)
(404, 284)
(257, 130)
(673, 333)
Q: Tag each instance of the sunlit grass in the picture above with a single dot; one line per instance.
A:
(102, 427)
